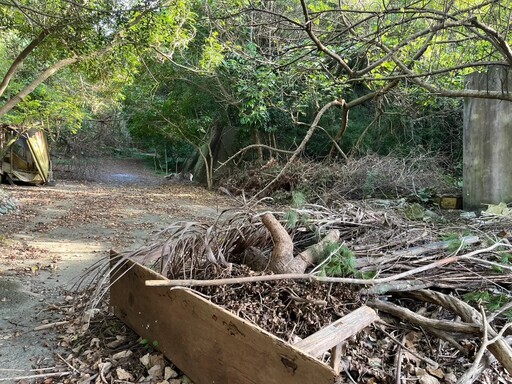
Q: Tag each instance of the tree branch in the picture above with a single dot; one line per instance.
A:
(19, 60)
(301, 146)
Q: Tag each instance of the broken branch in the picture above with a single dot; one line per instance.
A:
(325, 279)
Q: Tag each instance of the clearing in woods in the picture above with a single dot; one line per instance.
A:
(59, 231)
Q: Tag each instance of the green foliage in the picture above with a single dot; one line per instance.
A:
(212, 55)
(291, 219)
(369, 184)
(179, 70)
(57, 106)
(505, 259)
(298, 199)
(455, 242)
(107, 38)
(342, 261)
(414, 211)
(148, 343)
(490, 301)
(425, 195)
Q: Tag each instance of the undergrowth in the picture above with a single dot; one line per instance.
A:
(417, 177)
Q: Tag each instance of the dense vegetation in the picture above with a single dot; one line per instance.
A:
(198, 81)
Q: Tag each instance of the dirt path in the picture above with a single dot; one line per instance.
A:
(62, 230)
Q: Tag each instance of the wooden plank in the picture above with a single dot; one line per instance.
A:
(206, 342)
(340, 330)
(336, 353)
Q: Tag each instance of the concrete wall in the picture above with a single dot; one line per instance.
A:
(488, 142)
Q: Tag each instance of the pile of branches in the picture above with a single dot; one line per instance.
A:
(356, 178)
(404, 269)
(382, 243)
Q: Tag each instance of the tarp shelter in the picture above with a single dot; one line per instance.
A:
(26, 155)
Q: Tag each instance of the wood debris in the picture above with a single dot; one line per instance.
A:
(390, 261)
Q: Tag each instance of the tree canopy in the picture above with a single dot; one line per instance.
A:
(181, 73)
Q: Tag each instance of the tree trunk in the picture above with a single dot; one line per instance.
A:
(20, 59)
(257, 141)
(282, 259)
(341, 131)
(12, 102)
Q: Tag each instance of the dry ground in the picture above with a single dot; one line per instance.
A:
(61, 230)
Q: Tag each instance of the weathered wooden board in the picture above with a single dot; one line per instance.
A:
(208, 343)
(337, 332)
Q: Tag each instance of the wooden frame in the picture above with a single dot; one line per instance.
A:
(211, 345)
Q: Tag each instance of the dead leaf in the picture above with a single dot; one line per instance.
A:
(117, 342)
(499, 209)
(145, 361)
(450, 378)
(123, 375)
(95, 343)
(425, 378)
(410, 339)
(436, 372)
(170, 373)
(157, 359)
(104, 367)
(156, 372)
(122, 355)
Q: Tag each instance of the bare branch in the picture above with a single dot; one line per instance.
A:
(252, 146)
(499, 41)
(302, 145)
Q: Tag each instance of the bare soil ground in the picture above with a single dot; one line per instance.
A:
(60, 231)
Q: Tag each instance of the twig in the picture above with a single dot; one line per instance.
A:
(401, 344)
(398, 363)
(42, 375)
(499, 347)
(449, 339)
(101, 367)
(26, 370)
(476, 368)
(69, 365)
(325, 279)
(50, 325)
(415, 251)
(301, 146)
(406, 314)
(504, 308)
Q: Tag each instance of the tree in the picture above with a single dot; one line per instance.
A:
(100, 38)
(361, 52)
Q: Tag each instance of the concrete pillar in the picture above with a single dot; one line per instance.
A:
(488, 141)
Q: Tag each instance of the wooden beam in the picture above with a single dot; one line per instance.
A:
(337, 332)
(336, 353)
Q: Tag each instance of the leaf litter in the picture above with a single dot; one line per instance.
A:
(380, 241)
